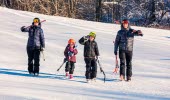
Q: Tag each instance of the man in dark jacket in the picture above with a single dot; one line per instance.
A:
(91, 53)
(124, 41)
(35, 44)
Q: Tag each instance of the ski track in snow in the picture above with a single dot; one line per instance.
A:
(151, 58)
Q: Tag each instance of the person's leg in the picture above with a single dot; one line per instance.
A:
(129, 65)
(36, 61)
(30, 54)
(72, 66)
(94, 68)
(88, 68)
(67, 68)
(122, 57)
(71, 69)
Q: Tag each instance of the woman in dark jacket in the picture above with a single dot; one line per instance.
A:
(35, 44)
(124, 41)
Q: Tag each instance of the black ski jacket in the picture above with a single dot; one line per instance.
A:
(35, 37)
(90, 48)
(124, 39)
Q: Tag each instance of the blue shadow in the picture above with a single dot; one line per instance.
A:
(168, 37)
(24, 73)
(165, 59)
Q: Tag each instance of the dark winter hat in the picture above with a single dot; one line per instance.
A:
(125, 21)
(36, 20)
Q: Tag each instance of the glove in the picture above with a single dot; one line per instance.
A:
(42, 49)
(115, 52)
(70, 54)
(86, 38)
(133, 31)
(140, 32)
(22, 28)
(65, 59)
(98, 58)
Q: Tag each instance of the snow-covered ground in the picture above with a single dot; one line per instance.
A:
(151, 62)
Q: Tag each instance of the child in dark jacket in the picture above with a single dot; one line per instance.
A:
(70, 52)
(91, 55)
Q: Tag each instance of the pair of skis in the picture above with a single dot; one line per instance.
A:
(117, 66)
(101, 70)
(40, 22)
(115, 70)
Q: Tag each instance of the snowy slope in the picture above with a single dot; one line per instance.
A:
(151, 62)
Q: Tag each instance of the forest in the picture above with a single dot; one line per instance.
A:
(147, 13)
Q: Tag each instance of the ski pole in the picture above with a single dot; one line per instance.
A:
(43, 55)
(40, 22)
(64, 61)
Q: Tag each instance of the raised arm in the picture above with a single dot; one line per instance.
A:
(83, 40)
(25, 29)
(136, 32)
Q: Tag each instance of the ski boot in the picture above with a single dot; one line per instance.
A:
(128, 79)
(122, 78)
(31, 73)
(71, 76)
(88, 80)
(93, 79)
(36, 74)
(67, 74)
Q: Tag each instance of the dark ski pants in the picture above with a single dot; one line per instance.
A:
(69, 67)
(125, 63)
(91, 68)
(33, 60)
